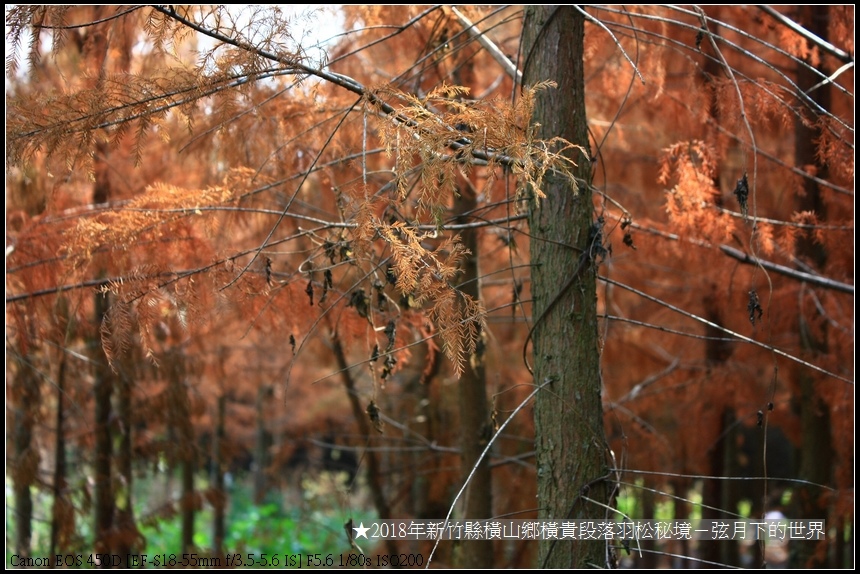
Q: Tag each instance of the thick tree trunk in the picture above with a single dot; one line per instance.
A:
(571, 449)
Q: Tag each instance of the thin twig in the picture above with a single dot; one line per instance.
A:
(728, 331)
(594, 20)
(480, 458)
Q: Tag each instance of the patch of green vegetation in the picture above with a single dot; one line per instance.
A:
(313, 525)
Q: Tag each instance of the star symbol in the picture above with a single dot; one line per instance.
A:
(360, 530)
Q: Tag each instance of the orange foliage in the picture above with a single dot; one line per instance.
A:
(260, 210)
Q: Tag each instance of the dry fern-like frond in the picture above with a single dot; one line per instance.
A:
(835, 148)
(810, 218)
(407, 254)
(441, 135)
(146, 216)
(693, 166)
(460, 320)
(764, 238)
(425, 277)
(116, 331)
(132, 301)
(454, 252)
(447, 133)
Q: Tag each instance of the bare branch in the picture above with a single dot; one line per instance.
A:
(87, 24)
(788, 271)
(489, 46)
(594, 20)
(728, 331)
(820, 42)
(483, 454)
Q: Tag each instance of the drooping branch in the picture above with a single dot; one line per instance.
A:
(457, 143)
(174, 276)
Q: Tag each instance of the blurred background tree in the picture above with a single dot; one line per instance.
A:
(262, 276)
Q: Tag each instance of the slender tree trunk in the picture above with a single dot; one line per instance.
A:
(424, 466)
(816, 453)
(682, 510)
(475, 424)
(94, 54)
(60, 504)
(837, 558)
(181, 446)
(648, 561)
(374, 474)
(420, 470)
(189, 504)
(102, 459)
(571, 449)
(185, 451)
(730, 491)
(127, 533)
(220, 502)
(25, 396)
(719, 496)
(104, 506)
(261, 448)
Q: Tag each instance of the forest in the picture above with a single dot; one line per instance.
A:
(276, 272)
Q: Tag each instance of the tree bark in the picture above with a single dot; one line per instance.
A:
(103, 387)
(571, 449)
